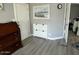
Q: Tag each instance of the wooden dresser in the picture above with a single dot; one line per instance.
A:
(10, 39)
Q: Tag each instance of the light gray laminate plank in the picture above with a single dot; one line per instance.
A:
(40, 46)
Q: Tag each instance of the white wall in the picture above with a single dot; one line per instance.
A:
(18, 13)
(22, 17)
(7, 13)
(56, 22)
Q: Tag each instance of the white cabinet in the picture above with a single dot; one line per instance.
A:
(40, 30)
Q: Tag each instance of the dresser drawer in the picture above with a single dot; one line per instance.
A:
(10, 38)
(11, 49)
(8, 41)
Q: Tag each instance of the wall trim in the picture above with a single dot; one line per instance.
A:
(30, 35)
(56, 38)
(27, 37)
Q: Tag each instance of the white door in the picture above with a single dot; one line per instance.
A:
(66, 23)
(21, 11)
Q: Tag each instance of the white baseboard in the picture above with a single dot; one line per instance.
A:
(28, 36)
(56, 38)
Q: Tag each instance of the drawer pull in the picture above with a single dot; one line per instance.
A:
(17, 44)
(43, 24)
(42, 30)
(36, 30)
(15, 33)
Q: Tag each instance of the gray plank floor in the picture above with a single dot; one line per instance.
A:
(39, 46)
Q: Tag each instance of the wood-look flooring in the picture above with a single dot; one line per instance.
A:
(39, 46)
(73, 38)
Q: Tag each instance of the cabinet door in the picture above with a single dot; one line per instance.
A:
(36, 30)
(40, 30)
(43, 31)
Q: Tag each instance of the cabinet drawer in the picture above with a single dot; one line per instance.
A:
(39, 26)
(8, 41)
(35, 26)
(11, 49)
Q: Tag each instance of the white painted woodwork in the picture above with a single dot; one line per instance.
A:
(40, 30)
(66, 23)
(21, 11)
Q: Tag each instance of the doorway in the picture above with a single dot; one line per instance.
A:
(73, 29)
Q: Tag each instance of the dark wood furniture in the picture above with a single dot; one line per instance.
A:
(10, 39)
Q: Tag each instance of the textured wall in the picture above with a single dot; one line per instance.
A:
(7, 14)
(55, 23)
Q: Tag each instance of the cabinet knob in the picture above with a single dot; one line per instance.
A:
(42, 30)
(17, 44)
(15, 33)
(43, 24)
(36, 30)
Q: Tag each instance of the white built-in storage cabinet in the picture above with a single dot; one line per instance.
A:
(40, 30)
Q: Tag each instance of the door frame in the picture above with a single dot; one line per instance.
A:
(24, 26)
(66, 20)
